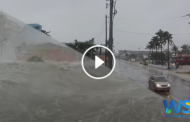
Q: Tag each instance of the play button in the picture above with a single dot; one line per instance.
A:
(95, 62)
(98, 62)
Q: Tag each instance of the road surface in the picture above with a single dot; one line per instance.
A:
(180, 88)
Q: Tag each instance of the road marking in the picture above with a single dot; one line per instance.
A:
(145, 87)
(172, 96)
(136, 71)
(179, 84)
(165, 92)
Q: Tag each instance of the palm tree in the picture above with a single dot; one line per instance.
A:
(160, 35)
(185, 49)
(150, 46)
(175, 49)
(168, 39)
(156, 44)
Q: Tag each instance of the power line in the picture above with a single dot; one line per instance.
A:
(99, 34)
(131, 18)
(186, 15)
(181, 34)
(133, 32)
(148, 33)
(102, 27)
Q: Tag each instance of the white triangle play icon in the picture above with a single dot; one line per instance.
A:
(98, 62)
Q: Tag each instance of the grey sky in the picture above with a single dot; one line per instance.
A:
(83, 19)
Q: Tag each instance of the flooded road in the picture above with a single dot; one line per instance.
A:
(43, 92)
(180, 88)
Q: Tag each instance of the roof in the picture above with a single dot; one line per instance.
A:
(36, 25)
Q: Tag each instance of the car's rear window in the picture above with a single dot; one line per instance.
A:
(160, 79)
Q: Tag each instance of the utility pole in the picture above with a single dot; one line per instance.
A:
(110, 43)
(110, 62)
(113, 11)
(106, 42)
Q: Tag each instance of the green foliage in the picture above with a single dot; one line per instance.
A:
(161, 38)
(168, 38)
(83, 46)
(158, 56)
(160, 35)
(35, 59)
(185, 49)
(156, 42)
(175, 49)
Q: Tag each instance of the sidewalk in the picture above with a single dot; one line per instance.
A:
(171, 72)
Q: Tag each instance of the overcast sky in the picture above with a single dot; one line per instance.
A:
(84, 19)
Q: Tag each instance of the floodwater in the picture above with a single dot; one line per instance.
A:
(58, 90)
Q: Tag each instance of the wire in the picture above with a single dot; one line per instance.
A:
(147, 33)
(98, 34)
(103, 26)
(181, 34)
(100, 37)
(133, 32)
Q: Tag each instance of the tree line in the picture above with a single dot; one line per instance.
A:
(158, 42)
(82, 46)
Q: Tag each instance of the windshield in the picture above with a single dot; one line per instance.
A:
(160, 79)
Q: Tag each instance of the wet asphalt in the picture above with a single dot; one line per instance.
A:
(180, 88)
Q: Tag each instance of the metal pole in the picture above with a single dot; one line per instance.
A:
(111, 34)
(168, 56)
(106, 43)
(100, 50)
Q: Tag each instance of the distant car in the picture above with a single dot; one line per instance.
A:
(159, 83)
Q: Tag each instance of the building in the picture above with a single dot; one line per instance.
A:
(47, 51)
(120, 52)
(36, 26)
(181, 59)
(140, 55)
